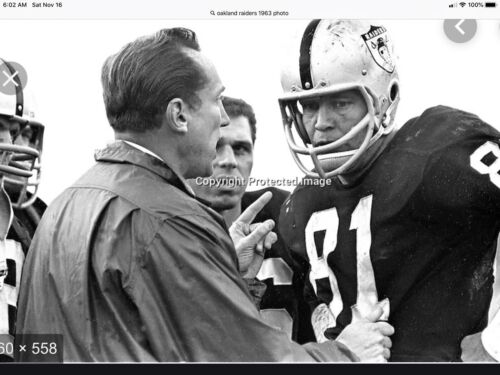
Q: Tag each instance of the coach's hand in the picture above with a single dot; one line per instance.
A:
(251, 240)
(368, 339)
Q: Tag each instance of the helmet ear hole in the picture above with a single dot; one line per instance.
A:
(394, 92)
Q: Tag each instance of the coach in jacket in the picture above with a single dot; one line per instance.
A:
(126, 264)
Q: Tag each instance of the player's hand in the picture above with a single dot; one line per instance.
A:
(473, 349)
(369, 339)
(251, 240)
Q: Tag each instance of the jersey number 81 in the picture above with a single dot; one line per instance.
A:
(328, 220)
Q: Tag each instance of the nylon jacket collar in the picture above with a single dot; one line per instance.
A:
(121, 152)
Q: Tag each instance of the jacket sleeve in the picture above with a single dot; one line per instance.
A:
(195, 306)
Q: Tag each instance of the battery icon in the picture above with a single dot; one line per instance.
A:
(490, 5)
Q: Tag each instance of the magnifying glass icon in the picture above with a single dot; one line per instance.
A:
(212, 13)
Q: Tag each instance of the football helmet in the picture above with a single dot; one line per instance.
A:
(22, 173)
(328, 57)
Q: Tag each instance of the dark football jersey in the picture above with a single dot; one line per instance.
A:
(31, 215)
(418, 231)
(283, 304)
(16, 246)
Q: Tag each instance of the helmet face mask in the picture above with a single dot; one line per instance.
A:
(25, 167)
(20, 164)
(334, 57)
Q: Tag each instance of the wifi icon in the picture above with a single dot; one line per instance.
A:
(462, 4)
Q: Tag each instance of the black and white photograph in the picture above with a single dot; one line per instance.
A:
(250, 191)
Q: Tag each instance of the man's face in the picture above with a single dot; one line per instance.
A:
(232, 166)
(328, 118)
(22, 138)
(205, 123)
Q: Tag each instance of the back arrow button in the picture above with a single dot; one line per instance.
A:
(460, 31)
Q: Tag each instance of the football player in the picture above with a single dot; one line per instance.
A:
(18, 163)
(23, 191)
(282, 304)
(410, 218)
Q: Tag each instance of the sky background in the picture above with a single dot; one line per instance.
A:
(64, 58)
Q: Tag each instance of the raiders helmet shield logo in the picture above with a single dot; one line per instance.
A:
(379, 45)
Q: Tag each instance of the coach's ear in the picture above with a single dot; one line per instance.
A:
(177, 115)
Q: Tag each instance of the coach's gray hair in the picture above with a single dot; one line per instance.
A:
(144, 76)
